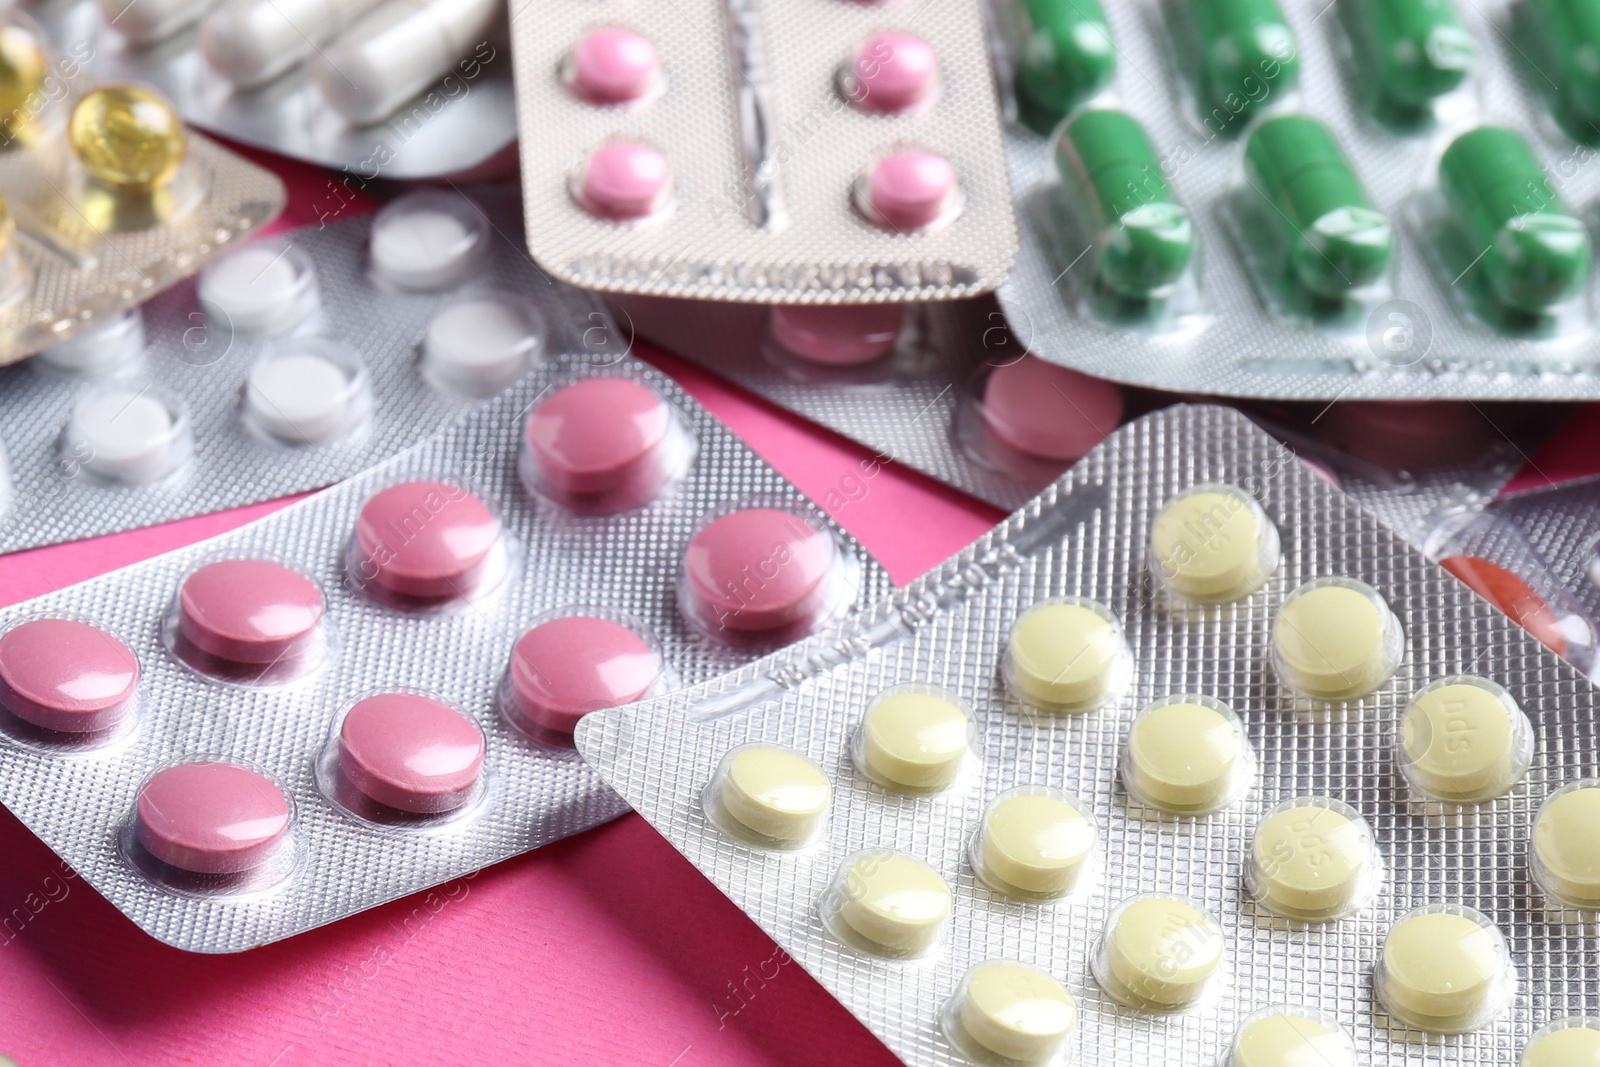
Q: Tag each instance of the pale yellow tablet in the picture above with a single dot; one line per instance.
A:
(1159, 953)
(1335, 641)
(1568, 1043)
(1285, 1037)
(894, 902)
(1464, 740)
(1213, 544)
(1566, 845)
(775, 792)
(1311, 860)
(1034, 845)
(1065, 655)
(1017, 1012)
(1443, 971)
(1186, 757)
(914, 740)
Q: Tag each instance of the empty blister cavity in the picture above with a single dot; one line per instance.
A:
(623, 181)
(1187, 755)
(1445, 969)
(1408, 57)
(888, 904)
(127, 434)
(1067, 654)
(69, 679)
(1035, 843)
(1564, 848)
(99, 349)
(1335, 639)
(769, 796)
(914, 739)
(211, 826)
(909, 190)
(612, 65)
(250, 621)
(403, 758)
(576, 661)
(1158, 953)
(1571, 1042)
(891, 73)
(1066, 56)
(426, 544)
(266, 287)
(307, 392)
(428, 241)
(1006, 1013)
(1212, 544)
(478, 343)
(1463, 740)
(1292, 1036)
(1313, 859)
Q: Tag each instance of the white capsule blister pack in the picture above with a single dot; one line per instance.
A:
(290, 363)
(826, 152)
(373, 691)
(1153, 757)
(396, 89)
(1422, 330)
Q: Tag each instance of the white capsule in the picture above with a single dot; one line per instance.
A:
(145, 22)
(251, 42)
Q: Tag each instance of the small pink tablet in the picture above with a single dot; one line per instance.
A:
(250, 611)
(613, 66)
(839, 335)
(911, 190)
(424, 539)
(600, 438)
(1050, 411)
(894, 72)
(211, 818)
(565, 668)
(66, 676)
(624, 181)
(410, 752)
(757, 569)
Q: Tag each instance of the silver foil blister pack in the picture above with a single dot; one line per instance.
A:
(826, 152)
(77, 791)
(387, 340)
(1086, 537)
(1412, 338)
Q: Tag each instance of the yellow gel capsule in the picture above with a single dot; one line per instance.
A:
(1464, 740)
(894, 902)
(1017, 1012)
(1065, 655)
(1571, 1042)
(1213, 544)
(1283, 1037)
(1034, 845)
(775, 792)
(23, 68)
(128, 138)
(913, 740)
(1159, 953)
(1309, 860)
(1566, 845)
(1442, 971)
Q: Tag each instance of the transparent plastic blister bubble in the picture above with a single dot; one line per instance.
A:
(374, 691)
(1193, 927)
(1360, 235)
(375, 88)
(288, 364)
(105, 198)
(822, 153)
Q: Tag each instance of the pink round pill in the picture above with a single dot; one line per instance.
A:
(601, 436)
(624, 180)
(565, 668)
(911, 190)
(411, 752)
(425, 539)
(757, 569)
(250, 611)
(1049, 411)
(211, 818)
(613, 66)
(66, 676)
(894, 72)
(839, 335)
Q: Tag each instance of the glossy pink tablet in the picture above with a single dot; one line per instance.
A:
(424, 539)
(1049, 411)
(565, 668)
(250, 611)
(624, 180)
(613, 66)
(411, 752)
(211, 818)
(840, 335)
(757, 569)
(911, 190)
(600, 436)
(66, 676)
(894, 72)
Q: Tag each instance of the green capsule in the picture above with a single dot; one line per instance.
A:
(1144, 238)
(1422, 49)
(1247, 58)
(1067, 55)
(1532, 253)
(1337, 240)
(1570, 30)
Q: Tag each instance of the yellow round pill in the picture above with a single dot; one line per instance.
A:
(128, 137)
(1158, 953)
(1443, 969)
(1034, 843)
(1187, 755)
(1566, 844)
(1573, 1042)
(1016, 1012)
(1311, 859)
(1464, 740)
(893, 902)
(1066, 654)
(775, 792)
(914, 739)
(1213, 544)
(1292, 1037)
(1335, 639)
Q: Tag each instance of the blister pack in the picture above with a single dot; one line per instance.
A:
(374, 690)
(1191, 760)
(1373, 199)
(288, 364)
(404, 89)
(105, 199)
(824, 152)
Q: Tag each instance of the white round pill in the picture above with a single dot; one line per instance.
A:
(127, 435)
(481, 343)
(98, 348)
(428, 241)
(258, 289)
(310, 394)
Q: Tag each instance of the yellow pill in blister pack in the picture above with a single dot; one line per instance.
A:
(1213, 544)
(1011, 1011)
(1292, 1037)
(773, 793)
(1066, 654)
(1565, 851)
(1571, 1042)
(128, 138)
(1034, 843)
(1444, 969)
(913, 739)
(1158, 953)
(1335, 639)
(1313, 859)
(1464, 740)
(888, 903)
(1187, 755)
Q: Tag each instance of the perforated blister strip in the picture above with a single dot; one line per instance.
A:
(57, 500)
(1242, 349)
(536, 795)
(1086, 536)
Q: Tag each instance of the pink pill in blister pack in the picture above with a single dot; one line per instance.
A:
(409, 753)
(66, 676)
(759, 574)
(248, 620)
(424, 542)
(892, 73)
(211, 817)
(613, 66)
(624, 181)
(910, 190)
(1047, 411)
(837, 335)
(567, 666)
